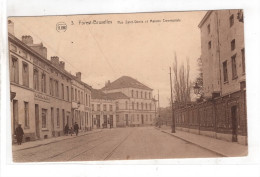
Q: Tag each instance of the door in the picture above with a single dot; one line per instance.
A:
(142, 117)
(111, 120)
(234, 123)
(98, 121)
(63, 119)
(37, 122)
(15, 115)
(126, 119)
(105, 121)
(52, 122)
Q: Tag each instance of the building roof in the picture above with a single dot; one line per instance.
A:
(205, 18)
(98, 94)
(125, 82)
(117, 95)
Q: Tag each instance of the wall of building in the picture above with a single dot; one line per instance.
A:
(100, 115)
(227, 34)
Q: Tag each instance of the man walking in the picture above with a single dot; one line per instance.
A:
(19, 134)
(76, 128)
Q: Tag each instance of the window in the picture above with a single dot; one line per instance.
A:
(51, 87)
(234, 67)
(25, 74)
(26, 114)
(68, 93)
(138, 117)
(231, 20)
(146, 106)
(35, 79)
(117, 118)
(104, 107)
(243, 61)
(44, 118)
(43, 83)
(93, 108)
(58, 117)
(142, 106)
(78, 95)
(150, 106)
(136, 94)
(141, 94)
(126, 105)
(132, 93)
(133, 105)
(117, 107)
(110, 108)
(225, 71)
(14, 71)
(62, 91)
(56, 88)
(209, 45)
(75, 95)
(146, 117)
(150, 117)
(233, 44)
(98, 107)
(208, 28)
(86, 101)
(149, 95)
(72, 94)
(145, 95)
(137, 106)
(81, 98)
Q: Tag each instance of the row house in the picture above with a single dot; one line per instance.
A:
(135, 106)
(81, 106)
(43, 93)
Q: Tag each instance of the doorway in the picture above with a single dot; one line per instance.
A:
(37, 122)
(15, 115)
(126, 119)
(142, 117)
(98, 121)
(111, 121)
(234, 123)
(52, 122)
(105, 121)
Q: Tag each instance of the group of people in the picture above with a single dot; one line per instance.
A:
(71, 130)
(19, 132)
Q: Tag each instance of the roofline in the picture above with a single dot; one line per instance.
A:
(148, 88)
(28, 48)
(205, 18)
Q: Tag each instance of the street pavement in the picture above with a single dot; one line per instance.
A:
(113, 144)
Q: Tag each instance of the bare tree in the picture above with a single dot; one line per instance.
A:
(181, 82)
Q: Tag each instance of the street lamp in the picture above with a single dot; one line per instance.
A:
(196, 88)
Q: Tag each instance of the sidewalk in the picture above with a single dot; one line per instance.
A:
(221, 147)
(37, 143)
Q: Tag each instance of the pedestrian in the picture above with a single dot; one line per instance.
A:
(66, 129)
(71, 131)
(19, 134)
(76, 128)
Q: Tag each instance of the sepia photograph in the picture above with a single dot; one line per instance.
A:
(128, 86)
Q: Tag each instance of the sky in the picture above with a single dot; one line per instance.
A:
(103, 52)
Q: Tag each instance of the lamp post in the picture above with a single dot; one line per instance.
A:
(196, 88)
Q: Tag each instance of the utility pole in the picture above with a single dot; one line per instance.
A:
(159, 117)
(173, 118)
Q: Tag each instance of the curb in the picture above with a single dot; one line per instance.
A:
(55, 141)
(196, 144)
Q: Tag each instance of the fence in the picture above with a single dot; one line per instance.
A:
(222, 118)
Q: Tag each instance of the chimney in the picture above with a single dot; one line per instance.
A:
(107, 83)
(10, 27)
(55, 60)
(78, 75)
(62, 64)
(27, 39)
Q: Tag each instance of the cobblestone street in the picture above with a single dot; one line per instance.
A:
(114, 144)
